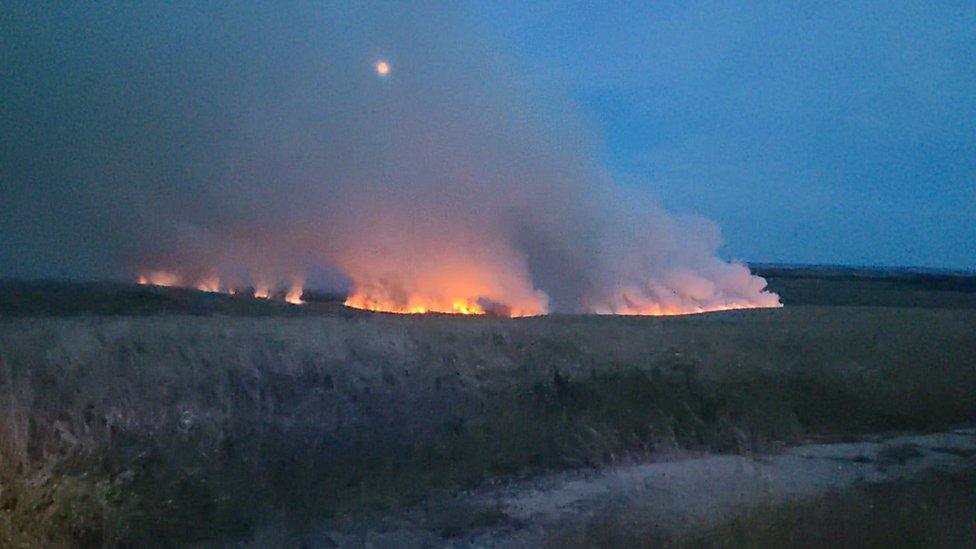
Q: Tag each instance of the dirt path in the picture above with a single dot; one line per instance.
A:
(673, 495)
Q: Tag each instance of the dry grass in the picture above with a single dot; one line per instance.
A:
(120, 429)
(935, 510)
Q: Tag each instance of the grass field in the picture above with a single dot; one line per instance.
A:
(202, 418)
(937, 509)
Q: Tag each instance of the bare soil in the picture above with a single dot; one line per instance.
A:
(669, 502)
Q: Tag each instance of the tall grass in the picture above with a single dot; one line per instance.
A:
(937, 509)
(191, 430)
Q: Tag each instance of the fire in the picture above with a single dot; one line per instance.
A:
(410, 264)
(418, 304)
(294, 295)
(658, 309)
(413, 307)
(159, 278)
(687, 293)
(443, 280)
(209, 284)
(467, 308)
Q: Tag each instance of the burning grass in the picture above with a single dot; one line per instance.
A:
(211, 283)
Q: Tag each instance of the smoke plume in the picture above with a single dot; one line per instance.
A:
(259, 147)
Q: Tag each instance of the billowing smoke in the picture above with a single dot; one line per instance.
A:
(259, 147)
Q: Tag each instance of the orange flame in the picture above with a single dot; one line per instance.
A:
(658, 309)
(159, 278)
(667, 302)
(294, 294)
(417, 304)
(464, 307)
(209, 284)
(452, 272)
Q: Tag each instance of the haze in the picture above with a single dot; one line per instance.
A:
(262, 143)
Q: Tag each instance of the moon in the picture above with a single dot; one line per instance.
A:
(382, 68)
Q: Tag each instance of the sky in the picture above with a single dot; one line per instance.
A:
(806, 133)
(811, 132)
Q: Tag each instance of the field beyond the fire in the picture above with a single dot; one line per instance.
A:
(130, 415)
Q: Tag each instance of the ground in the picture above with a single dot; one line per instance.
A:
(133, 415)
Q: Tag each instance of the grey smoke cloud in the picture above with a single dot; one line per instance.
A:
(258, 142)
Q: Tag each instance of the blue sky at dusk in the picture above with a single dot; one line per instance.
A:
(811, 132)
